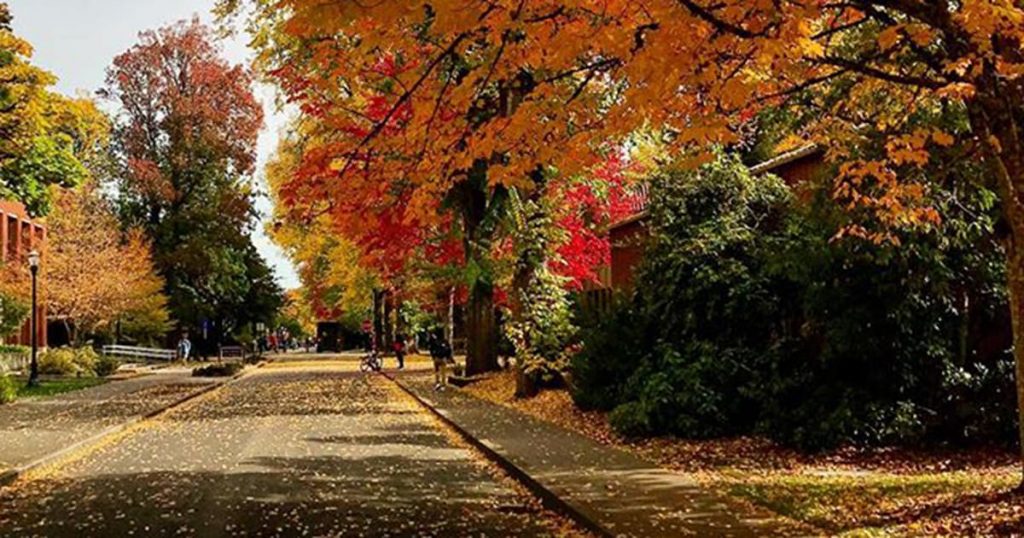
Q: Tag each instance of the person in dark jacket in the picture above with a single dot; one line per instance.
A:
(441, 353)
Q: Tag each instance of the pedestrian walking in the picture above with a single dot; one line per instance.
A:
(441, 353)
(184, 347)
(399, 348)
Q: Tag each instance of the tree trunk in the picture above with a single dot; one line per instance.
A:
(526, 385)
(389, 327)
(479, 209)
(69, 328)
(1014, 215)
(481, 332)
(450, 329)
(378, 321)
(1015, 277)
(993, 116)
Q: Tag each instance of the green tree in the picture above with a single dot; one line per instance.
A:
(185, 143)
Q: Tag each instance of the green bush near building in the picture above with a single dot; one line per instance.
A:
(67, 361)
(106, 366)
(750, 318)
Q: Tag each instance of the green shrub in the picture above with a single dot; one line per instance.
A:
(106, 366)
(631, 419)
(66, 361)
(60, 361)
(611, 353)
(221, 369)
(15, 311)
(85, 359)
(7, 349)
(750, 318)
(8, 389)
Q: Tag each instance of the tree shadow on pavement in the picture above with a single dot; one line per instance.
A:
(372, 496)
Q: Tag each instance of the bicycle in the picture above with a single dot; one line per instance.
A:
(371, 362)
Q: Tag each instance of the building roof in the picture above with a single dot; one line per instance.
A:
(785, 158)
(16, 209)
(767, 166)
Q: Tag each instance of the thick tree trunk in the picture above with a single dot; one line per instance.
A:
(481, 332)
(1010, 171)
(389, 326)
(526, 385)
(994, 120)
(378, 319)
(479, 212)
(1015, 276)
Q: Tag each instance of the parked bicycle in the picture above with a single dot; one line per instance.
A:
(371, 362)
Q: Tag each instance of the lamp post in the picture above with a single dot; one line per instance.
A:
(33, 266)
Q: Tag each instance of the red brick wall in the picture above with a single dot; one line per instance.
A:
(628, 244)
(629, 238)
(19, 235)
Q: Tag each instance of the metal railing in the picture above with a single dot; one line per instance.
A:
(134, 352)
(14, 362)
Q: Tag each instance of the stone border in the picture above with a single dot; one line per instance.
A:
(10, 476)
(548, 498)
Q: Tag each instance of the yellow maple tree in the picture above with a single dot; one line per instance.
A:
(92, 273)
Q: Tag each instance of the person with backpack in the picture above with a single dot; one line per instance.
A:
(441, 353)
(399, 349)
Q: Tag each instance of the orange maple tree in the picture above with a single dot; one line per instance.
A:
(92, 272)
(428, 97)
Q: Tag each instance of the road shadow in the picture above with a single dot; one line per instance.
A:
(317, 496)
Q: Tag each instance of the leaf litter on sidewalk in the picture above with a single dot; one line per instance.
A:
(851, 491)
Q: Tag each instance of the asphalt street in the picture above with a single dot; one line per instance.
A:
(297, 449)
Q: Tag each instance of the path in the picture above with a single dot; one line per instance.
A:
(34, 428)
(290, 450)
(608, 487)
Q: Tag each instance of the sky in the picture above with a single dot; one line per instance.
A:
(77, 39)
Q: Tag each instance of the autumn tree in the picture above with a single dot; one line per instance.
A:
(15, 296)
(336, 282)
(423, 122)
(45, 138)
(185, 142)
(527, 83)
(93, 273)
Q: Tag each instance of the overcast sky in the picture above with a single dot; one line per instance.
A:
(77, 39)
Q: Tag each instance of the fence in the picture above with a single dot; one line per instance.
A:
(14, 362)
(143, 353)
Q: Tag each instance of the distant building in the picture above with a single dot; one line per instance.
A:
(19, 235)
(629, 236)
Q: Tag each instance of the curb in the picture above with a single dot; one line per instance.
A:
(11, 475)
(548, 498)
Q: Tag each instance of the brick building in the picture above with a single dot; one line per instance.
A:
(19, 235)
(629, 236)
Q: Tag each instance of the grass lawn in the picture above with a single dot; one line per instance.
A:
(849, 493)
(53, 387)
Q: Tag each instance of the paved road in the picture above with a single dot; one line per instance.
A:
(298, 450)
(34, 428)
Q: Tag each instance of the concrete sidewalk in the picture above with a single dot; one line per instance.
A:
(35, 429)
(612, 491)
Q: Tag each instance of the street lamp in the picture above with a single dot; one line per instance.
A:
(33, 266)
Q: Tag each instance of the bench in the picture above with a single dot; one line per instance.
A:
(232, 351)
